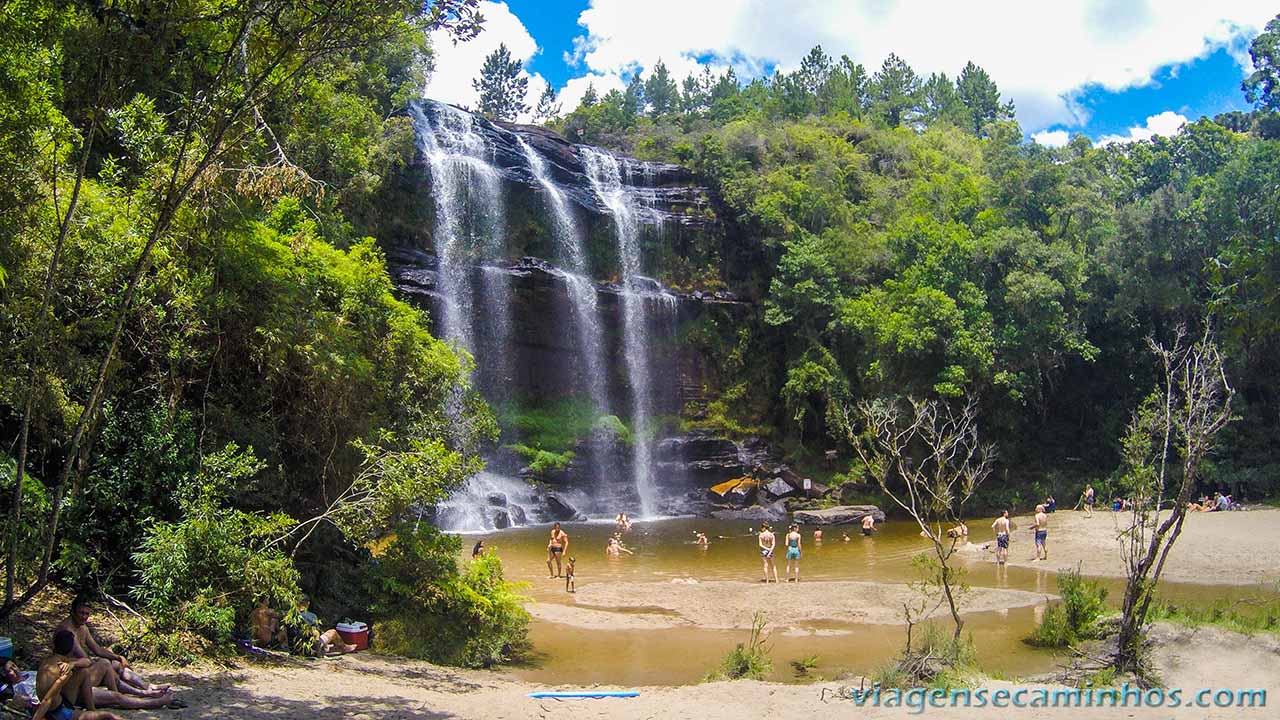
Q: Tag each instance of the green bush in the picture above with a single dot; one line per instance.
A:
(200, 576)
(542, 462)
(747, 662)
(426, 607)
(1076, 617)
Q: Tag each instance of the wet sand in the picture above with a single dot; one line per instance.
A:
(725, 604)
(367, 687)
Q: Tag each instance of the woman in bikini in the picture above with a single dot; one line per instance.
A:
(767, 542)
(556, 548)
(793, 553)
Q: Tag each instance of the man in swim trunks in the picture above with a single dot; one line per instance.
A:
(767, 541)
(868, 524)
(557, 546)
(62, 682)
(122, 678)
(1001, 526)
(1041, 529)
(1087, 499)
(793, 552)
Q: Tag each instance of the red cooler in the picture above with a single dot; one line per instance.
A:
(354, 633)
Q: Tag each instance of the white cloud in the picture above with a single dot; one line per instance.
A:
(458, 64)
(1041, 61)
(1052, 138)
(1166, 124)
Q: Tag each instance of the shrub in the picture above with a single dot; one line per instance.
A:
(750, 661)
(1076, 617)
(425, 606)
(199, 576)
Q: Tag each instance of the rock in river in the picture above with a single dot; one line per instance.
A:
(839, 515)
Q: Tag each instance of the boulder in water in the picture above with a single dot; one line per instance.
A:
(839, 515)
(497, 499)
(559, 509)
(501, 520)
(773, 512)
(517, 515)
(742, 495)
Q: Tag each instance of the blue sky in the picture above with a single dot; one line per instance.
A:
(1111, 69)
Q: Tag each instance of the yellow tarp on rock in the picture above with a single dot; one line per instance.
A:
(723, 488)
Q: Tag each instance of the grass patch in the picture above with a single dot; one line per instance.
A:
(937, 659)
(804, 665)
(749, 661)
(1076, 617)
(1244, 615)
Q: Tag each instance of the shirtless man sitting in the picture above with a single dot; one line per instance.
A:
(63, 682)
(122, 678)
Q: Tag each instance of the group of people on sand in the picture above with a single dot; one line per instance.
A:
(79, 676)
(557, 550)
(268, 632)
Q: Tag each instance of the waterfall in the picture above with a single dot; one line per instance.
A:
(467, 190)
(606, 176)
(582, 292)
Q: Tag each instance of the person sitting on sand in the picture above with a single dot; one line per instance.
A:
(767, 541)
(556, 548)
(1001, 527)
(330, 641)
(24, 687)
(868, 524)
(793, 553)
(569, 585)
(62, 682)
(267, 632)
(123, 678)
(1041, 529)
(959, 531)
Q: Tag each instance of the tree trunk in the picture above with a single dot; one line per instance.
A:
(24, 431)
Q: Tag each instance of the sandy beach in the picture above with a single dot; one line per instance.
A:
(1219, 548)
(731, 605)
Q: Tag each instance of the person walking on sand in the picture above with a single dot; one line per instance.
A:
(1041, 529)
(767, 542)
(793, 553)
(868, 524)
(556, 548)
(1001, 526)
(1087, 498)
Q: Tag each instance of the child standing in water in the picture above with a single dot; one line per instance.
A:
(569, 586)
(793, 553)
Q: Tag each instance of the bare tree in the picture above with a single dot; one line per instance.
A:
(927, 457)
(1170, 434)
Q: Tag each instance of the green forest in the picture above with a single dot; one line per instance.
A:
(210, 392)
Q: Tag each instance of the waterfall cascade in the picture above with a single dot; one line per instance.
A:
(548, 327)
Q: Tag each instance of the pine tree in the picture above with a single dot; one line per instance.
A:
(502, 85)
(660, 91)
(982, 98)
(589, 97)
(896, 91)
(548, 108)
(633, 99)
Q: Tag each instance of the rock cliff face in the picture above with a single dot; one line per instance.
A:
(567, 272)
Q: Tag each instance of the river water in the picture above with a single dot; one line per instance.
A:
(665, 550)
